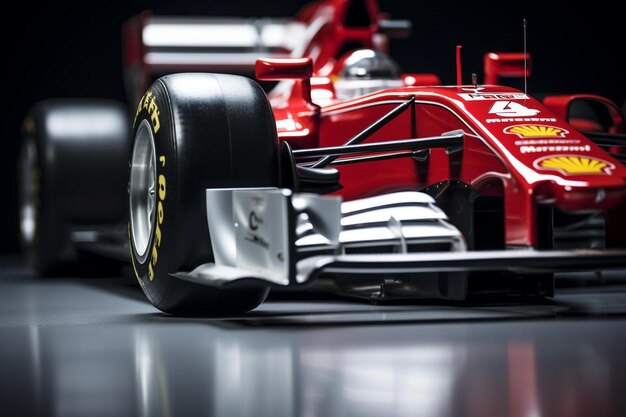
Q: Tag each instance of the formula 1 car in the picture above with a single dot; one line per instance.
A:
(353, 178)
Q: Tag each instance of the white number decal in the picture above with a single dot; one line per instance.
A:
(512, 109)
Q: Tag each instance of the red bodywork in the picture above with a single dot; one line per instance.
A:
(515, 147)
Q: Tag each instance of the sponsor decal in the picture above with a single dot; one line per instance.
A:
(254, 221)
(574, 165)
(552, 149)
(522, 119)
(257, 240)
(547, 142)
(512, 109)
(493, 96)
(536, 131)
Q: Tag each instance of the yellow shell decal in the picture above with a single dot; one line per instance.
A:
(574, 165)
(536, 131)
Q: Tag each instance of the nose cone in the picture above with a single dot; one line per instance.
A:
(579, 199)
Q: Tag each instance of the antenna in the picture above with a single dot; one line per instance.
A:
(459, 77)
(525, 62)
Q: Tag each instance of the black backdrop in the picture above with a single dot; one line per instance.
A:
(73, 49)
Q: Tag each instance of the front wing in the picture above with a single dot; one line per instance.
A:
(397, 245)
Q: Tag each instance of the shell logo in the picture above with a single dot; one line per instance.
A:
(536, 131)
(574, 165)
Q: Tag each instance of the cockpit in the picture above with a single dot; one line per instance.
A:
(365, 71)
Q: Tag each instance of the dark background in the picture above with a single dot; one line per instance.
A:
(73, 49)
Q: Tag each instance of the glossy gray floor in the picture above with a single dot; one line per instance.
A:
(94, 347)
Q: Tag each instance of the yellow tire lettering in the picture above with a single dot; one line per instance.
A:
(146, 99)
(161, 187)
(157, 236)
(150, 272)
(153, 109)
(156, 124)
(155, 255)
(149, 104)
(157, 230)
(160, 213)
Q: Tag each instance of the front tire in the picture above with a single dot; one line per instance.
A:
(192, 132)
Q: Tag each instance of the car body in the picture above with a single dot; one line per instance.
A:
(390, 186)
(482, 167)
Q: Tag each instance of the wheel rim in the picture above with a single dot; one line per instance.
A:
(29, 193)
(142, 190)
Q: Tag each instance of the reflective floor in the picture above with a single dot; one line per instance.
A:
(94, 347)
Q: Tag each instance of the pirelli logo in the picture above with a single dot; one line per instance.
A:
(493, 96)
(522, 119)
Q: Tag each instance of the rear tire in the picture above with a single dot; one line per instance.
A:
(192, 132)
(72, 173)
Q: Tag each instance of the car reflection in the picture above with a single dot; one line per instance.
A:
(202, 367)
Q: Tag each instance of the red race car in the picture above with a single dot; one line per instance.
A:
(352, 177)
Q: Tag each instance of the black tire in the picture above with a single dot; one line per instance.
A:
(209, 131)
(72, 176)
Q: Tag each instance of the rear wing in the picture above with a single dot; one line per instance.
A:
(158, 45)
